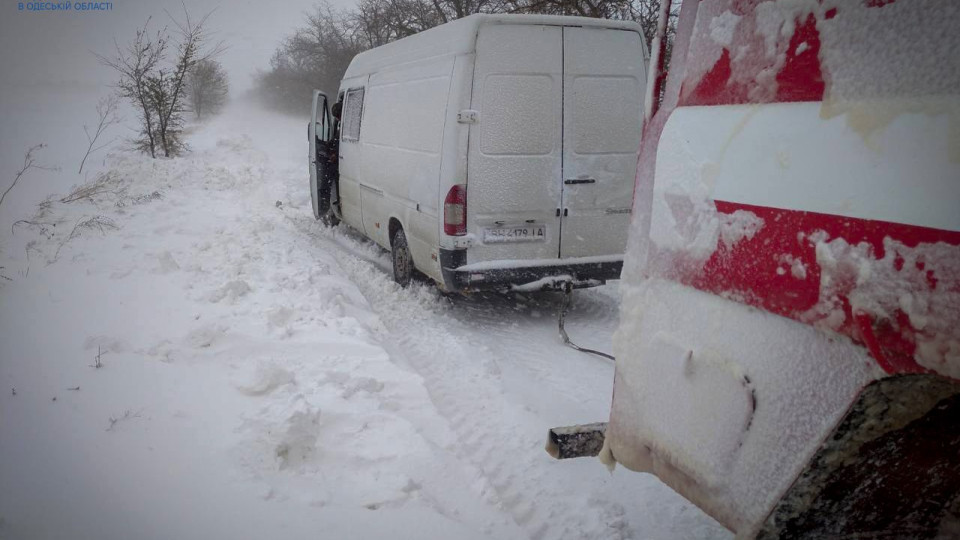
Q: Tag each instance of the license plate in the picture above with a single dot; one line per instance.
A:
(529, 233)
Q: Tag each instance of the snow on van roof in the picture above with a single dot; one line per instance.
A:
(459, 37)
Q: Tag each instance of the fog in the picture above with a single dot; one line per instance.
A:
(51, 79)
(57, 47)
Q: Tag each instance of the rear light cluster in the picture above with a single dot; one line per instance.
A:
(455, 211)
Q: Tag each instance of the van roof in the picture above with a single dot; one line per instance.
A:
(459, 37)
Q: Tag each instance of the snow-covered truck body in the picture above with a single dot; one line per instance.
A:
(503, 147)
(788, 352)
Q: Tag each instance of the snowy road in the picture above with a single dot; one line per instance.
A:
(264, 377)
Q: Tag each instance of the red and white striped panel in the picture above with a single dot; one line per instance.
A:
(812, 169)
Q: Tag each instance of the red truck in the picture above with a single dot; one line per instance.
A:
(788, 355)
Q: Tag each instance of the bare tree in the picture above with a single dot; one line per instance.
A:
(318, 53)
(643, 12)
(646, 13)
(168, 88)
(29, 162)
(107, 116)
(207, 87)
(315, 56)
(157, 89)
(135, 64)
(602, 9)
(168, 112)
(382, 21)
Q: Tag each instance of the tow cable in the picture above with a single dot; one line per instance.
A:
(564, 304)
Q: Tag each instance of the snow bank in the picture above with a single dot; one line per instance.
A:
(242, 370)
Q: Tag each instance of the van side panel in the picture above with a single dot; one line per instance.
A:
(604, 79)
(515, 148)
(401, 142)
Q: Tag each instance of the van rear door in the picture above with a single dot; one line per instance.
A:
(603, 95)
(514, 160)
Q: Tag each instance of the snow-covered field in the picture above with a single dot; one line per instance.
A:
(263, 377)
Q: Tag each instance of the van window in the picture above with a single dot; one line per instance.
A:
(322, 119)
(352, 113)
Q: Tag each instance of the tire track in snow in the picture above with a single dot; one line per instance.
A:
(528, 324)
(463, 381)
(522, 323)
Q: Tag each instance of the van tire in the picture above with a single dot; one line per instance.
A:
(402, 261)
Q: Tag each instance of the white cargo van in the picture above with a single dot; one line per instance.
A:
(495, 151)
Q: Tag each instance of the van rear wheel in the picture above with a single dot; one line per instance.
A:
(402, 261)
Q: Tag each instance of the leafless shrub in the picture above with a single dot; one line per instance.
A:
(208, 87)
(101, 223)
(135, 63)
(53, 227)
(107, 116)
(97, 360)
(103, 184)
(4, 276)
(2, 268)
(45, 228)
(29, 163)
(44, 207)
(168, 89)
(156, 86)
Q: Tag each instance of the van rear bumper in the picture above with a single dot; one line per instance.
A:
(458, 276)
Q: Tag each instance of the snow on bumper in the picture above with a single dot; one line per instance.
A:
(526, 275)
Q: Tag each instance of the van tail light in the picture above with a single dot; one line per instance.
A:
(455, 211)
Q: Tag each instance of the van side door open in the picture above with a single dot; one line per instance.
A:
(604, 79)
(323, 165)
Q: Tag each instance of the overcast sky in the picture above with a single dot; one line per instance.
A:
(55, 47)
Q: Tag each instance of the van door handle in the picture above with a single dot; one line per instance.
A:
(571, 181)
